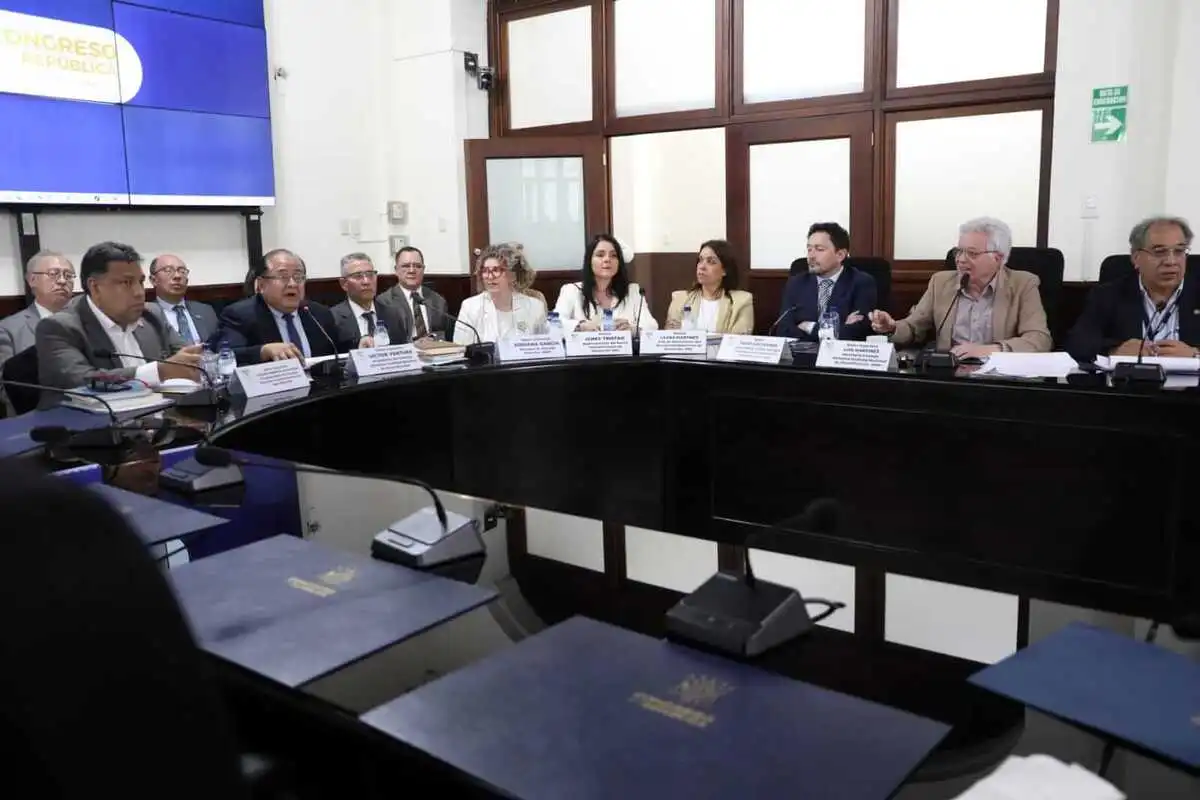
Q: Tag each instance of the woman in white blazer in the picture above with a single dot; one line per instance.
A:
(605, 284)
(501, 309)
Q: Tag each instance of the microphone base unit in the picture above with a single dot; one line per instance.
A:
(729, 615)
(804, 354)
(1139, 374)
(418, 541)
(201, 398)
(481, 353)
(937, 361)
(191, 477)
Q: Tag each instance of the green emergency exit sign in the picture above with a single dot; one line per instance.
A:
(1109, 104)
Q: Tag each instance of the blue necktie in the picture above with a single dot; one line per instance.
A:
(185, 330)
(293, 335)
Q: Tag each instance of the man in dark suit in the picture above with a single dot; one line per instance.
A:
(277, 323)
(111, 315)
(1154, 311)
(358, 315)
(195, 322)
(827, 284)
(410, 275)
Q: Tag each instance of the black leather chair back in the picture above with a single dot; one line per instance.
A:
(22, 367)
(1045, 262)
(881, 270)
(1120, 265)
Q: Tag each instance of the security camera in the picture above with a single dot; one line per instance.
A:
(486, 79)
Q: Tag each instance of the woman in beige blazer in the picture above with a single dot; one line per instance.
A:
(716, 304)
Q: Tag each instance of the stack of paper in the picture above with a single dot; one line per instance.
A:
(1169, 365)
(1028, 365)
(1041, 778)
(438, 352)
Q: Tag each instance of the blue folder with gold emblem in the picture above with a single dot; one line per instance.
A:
(1134, 691)
(156, 521)
(587, 710)
(294, 611)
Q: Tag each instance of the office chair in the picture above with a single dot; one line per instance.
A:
(22, 367)
(881, 270)
(1047, 264)
(103, 690)
(1120, 265)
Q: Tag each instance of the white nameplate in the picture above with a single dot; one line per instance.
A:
(600, 343)
(868, 356)
(674, 343)
(757, 349)
(536, 347)
(270, 377)
(367, 362)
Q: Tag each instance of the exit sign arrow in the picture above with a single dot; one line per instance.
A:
(1109, 126)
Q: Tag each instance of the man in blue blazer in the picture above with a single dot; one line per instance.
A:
(278, 323)
(826, 284)
(1155, 311)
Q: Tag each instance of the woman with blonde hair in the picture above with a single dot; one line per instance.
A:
(502, 308)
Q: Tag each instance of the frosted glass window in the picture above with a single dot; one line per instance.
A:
(812, 579)
(792, 185)
(668, 189)
(952, 169)
(946, 41)
(550, 68)
(562, 537)
(665, 54)
(830, 60)
(539, 203)
(673, 562)
(974, 624)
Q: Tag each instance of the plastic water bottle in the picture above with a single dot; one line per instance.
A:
(688, 323)
(226, 363)
(607, 324)
(554, 325)
(829, 323)
(208, 363)
(381, 336)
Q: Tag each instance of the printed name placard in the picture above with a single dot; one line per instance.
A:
(600, 343)
(270, 377)
(674, 343)
(869, 356)
(367, 362)
(537, 347)
(756, 349)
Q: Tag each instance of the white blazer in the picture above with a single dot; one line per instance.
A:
(570, 308)
(528, 316)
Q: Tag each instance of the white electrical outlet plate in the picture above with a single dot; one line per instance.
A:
(397, 211)
(395, 243)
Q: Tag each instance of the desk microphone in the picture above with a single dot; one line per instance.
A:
(782, 317)
(480, 352)
(112, 415)
(337, 367)
(637, 318)
(1140, 372)
(931, 357)
(211, 456)
(209, 395)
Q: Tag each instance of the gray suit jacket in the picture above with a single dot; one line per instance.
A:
(202, 314)
(399, 331)
(67, 340)
(435, 307)
(17, 333)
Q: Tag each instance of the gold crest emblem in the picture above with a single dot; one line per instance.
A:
(701, 691)
(337, 576)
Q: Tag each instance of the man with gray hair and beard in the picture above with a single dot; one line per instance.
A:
(997, 309)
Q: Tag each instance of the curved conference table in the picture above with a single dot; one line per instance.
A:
(1056, 490)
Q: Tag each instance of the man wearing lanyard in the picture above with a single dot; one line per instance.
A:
(1154, 311)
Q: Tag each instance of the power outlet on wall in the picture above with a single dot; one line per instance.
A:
(396, 243)
(397, 211)
(1091, 209)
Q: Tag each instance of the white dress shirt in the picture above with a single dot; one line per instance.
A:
(281, 324)
(408, 296)
(1165, 329)
(123, 341)
(358, 311)
(706, 315)
(42, 311)
(168, 310)
(528, 316)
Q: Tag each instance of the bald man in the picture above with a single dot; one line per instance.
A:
(194, 322)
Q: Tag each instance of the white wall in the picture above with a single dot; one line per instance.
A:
(10, 258)
(1149, 47)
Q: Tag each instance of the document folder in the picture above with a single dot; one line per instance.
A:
(1133, 691)
(586, 710)
(156, 521)
(294, 611)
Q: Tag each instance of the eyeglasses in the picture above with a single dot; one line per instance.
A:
(364, 275)
(56, 275)
(299, 279)
(970, 255)
(485, 271)
(1162, 253)
(172, 270)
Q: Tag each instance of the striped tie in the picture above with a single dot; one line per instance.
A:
(181, 320)
(824, 292)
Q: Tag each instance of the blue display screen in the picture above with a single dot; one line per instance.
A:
(152, 102)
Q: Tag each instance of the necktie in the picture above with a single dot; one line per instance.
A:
(419, 329)
(369, 318)
(185, 330)
(824, 292)
(293, 335)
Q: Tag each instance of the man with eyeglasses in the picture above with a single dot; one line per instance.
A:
(430, 318)
(278, 323)
(51, 279)
(195, 322)
(358, 315)
(1154, 310)
(997, 310)
(111, 317)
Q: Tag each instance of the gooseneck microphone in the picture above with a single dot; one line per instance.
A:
(963, 282)
(480, 352)
(637, 318)
(112, 415)
(209, 395)
(337, 364)
(782, 317)
(420, 301)
(211, 456)
(1140, 372)
(931, 357)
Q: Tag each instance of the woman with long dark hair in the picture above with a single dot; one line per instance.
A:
(605, 286)
(714, 303)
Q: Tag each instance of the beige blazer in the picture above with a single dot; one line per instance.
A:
(736, 313)
(1018, 319)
